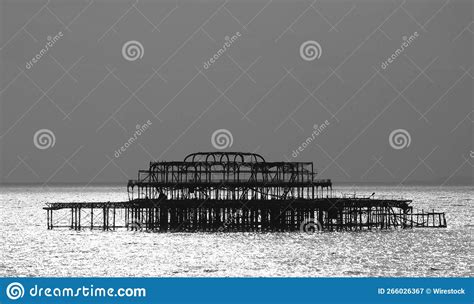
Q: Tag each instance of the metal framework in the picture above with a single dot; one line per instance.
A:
(233, 191)
(228, 175)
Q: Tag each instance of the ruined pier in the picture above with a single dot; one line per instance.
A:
(233, 191)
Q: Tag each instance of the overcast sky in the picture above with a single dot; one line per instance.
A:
(382, 114)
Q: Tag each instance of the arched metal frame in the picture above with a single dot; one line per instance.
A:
(228, 176)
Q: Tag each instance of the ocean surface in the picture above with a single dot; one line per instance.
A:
(27, 248)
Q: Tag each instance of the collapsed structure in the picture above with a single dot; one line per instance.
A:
(234, 191)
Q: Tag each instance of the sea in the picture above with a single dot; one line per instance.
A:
(28, 248)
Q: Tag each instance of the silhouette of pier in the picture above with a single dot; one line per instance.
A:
(233, 191)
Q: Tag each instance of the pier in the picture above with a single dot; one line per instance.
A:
(233, 191)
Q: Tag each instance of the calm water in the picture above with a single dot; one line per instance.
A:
(27, 248)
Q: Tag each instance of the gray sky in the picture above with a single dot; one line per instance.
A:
(90, 96)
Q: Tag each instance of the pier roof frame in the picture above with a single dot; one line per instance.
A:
(225, 157)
